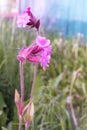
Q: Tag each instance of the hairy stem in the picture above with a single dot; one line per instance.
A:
(20, 124)
(21, 81)
(26, 128)
(33, 83)
(22, 92)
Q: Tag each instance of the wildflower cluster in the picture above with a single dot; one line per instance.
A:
(39, 52)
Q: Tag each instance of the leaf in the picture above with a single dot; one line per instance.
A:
(29, 114)
(32, 110)
(2, 63)
(3, 128)
(57, 80)
(1, 112)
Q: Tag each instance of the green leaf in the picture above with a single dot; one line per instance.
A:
(57, 80)
(3, 128)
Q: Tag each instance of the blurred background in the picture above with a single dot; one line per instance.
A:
(61, 90)
(68, 17)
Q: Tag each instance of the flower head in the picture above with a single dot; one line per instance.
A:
(46, 52)
(28, 19)
(31, 54)
(42, 41)
(23, 19)
(40, 52)
(21, 56)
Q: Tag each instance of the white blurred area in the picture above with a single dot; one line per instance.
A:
(14, 6)
(8, 6)
(3, 5)
(38, 7)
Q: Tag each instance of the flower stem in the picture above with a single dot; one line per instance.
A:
(38, 32)
(20, 123)
(73, 115)
(21, 81)
(22, 92)
(32, 90)
(33, 83)
(26, 128)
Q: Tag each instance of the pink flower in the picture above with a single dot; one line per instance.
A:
(47, 50)
(40, 52)
(42, 41)
(31, 54)
(21, 56)
(28, 19)
(23, 19)
(45, 61)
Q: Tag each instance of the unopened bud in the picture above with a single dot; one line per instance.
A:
(17, 96)
(29, 114)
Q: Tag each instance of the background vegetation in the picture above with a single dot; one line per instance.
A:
(62, 84)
